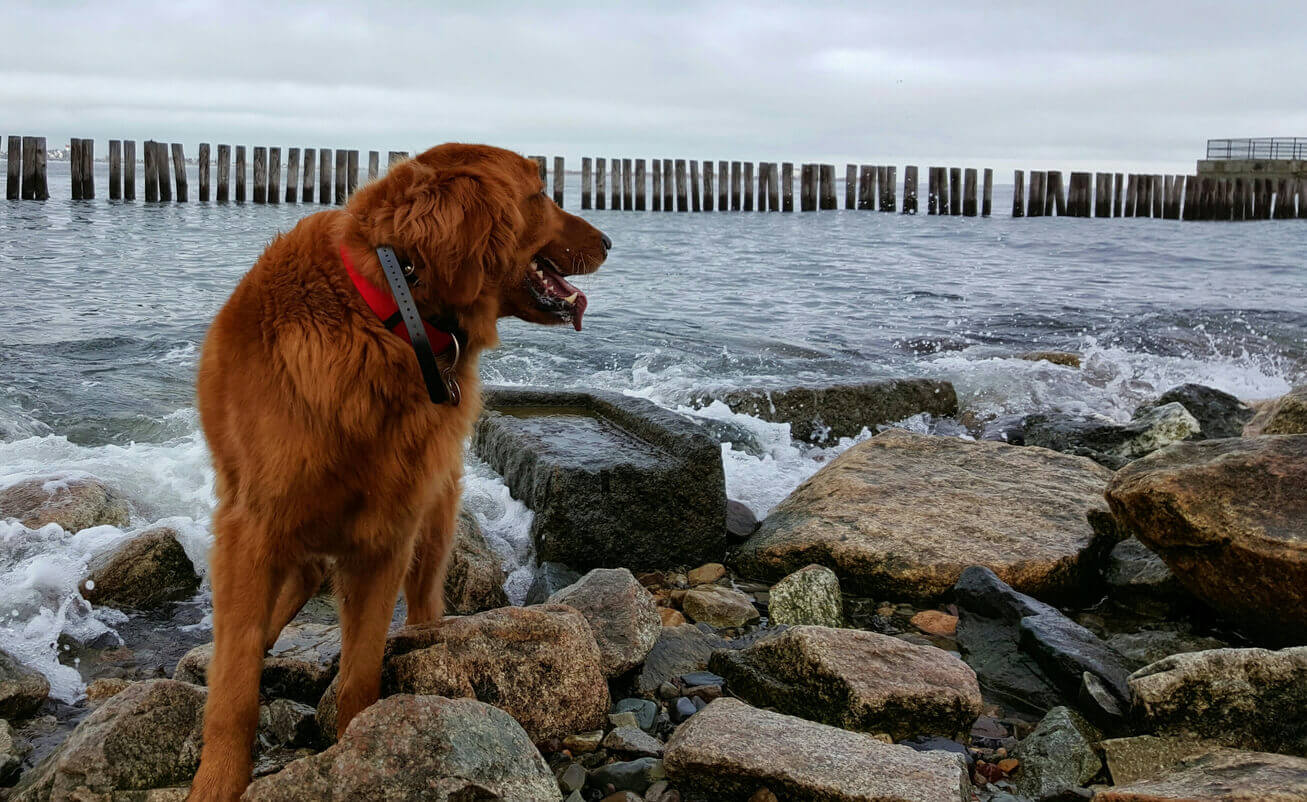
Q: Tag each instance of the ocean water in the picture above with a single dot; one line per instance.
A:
(106, 304)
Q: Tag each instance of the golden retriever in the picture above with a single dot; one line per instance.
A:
(325, 442)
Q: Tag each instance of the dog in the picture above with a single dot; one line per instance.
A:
(329, 447)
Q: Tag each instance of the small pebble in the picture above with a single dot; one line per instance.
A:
(1008, 765)
(573, 778)
(671, 617)
(706, 574)
(683, 710)
(695, 678)
(645, 711)
(623, 719)
(934, 622)
(668, 691)
(583, 742)
(763, 795)
(705, 692)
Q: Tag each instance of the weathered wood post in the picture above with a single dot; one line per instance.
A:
(889, 184)
(696, 203)
(1284, 200)
(1056, 200)
(955, 190)
(723, 186)
(351, 172)
(274, 175)
(601, 179)
(748, 187)
(1019, 193)
(773, 187)
(14, 172)
(541, 165)
(40, 185)
(560, 177)
(626, 184)
(374, 164)
(75, 167)
(987, 196)
(1131, 194)
(882, 188)
(616, 185)
(808, 188)
(946, 201)
(969, 192)
(179, 172)
(682, 198)
(88, 169)
(1143, 203)
(787, 186)
(342, 177)
(1084, 195)
(260, 174)
(736, 178)
(1035, 203)
(656, 184)
(27, 191)
(850, 186)
(292, 174)
(586, 178)
(324, 176)
(1156, 184)
(667, 185)
(202, 160)
(866, 187)
(394, 157)
(827, 187)
(1302, 199)
(1264, 199)
(161, 159)
(224, 174)
(240, 174)
(708, 194)
(1187, 192)
(639, 184)
(932, 191)
(1102, 195)
(1237, 202)
(910, 189)
(310, 169)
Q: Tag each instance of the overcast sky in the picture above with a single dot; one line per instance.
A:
(1108, 84)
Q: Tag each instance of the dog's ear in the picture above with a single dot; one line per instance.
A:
(459, 226)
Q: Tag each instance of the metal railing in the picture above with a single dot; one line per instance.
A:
(1280, 147)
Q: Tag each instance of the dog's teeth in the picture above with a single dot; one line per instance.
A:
(571, 298)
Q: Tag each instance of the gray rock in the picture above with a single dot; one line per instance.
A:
(147, 736)
(1107, 442)
(719, 607)
(741, 523)
(1066, 650)
(12, 752)
(1066, 359)
(633, 775)
(419, 747)
(808, 596)
(573, 778)
(1244, 698)
(474, 579)
(1150, 645)
(22, 690)
(731, 749)
(1141, 581)
(293, 723)
(613, 480)
(74, 504)
(644, 711)
(633, 741)
(856, 680)
(1218, 413)
(299, 666)
(146, 571)
(551, 578)
(622, 614)
(1221, 777)
(677, 651)
(1058, 756)
(726, 431)
(825, 414)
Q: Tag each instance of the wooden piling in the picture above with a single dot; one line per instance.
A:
(1018, 193)
(827, 187)
(656, 185)
(542, 167)
(708, 195)
(586, 178)
(723, 186)
(1035, 203)
(310, 168)
(324, 176)
(224, 174)
(1302, 199)
(867, 187)
(969, 192)
(626, 184)
(787, 186)
(342, 177)
(1057, 194)
(202, 159)
(161, 159)
(240, 174)
(40, 185)
(393, 157)
(560, 179)
(1187, 192)
(27, 189)
(932, 192)
(1116, 195)
(1237, 202)
(261, 174)
(1102, 195)
(374, 165)
(888, 180)
(1264, 199)
(1158, 195)
(736, 178)
(1144, 200)
(748, 187)
(882, 187)
(682, 199)
(1284, 193)
(667, 185)
(773, 188)
(75, 167)
(696, 203)
(955, 191)
(808, 188)
(179, 174)
(1131, 194)
(945, 201)
(910, 189)
(14, 173)
(274, 175)
(1080, 188)
(640, 183)
(292, 174)
(351, 173)
(615, 202)
(601, 178)
(850, 186)
(987, 195)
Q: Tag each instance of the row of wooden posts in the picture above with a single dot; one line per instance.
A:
(677, 184)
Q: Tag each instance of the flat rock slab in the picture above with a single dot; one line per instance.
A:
(901, 515)
(299, 665)
(1148, 757)
(73, 504)
(1224, 776)
(729, 748)
(614, 481)
(1229, 517)
(856, 680)
(825, 414)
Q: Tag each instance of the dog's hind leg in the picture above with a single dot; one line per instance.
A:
(425, 583)
(296, 589)
(243, 573)
(367, 590)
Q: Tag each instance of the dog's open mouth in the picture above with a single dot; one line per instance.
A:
(553, 293)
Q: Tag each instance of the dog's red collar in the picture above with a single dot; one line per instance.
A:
(385, 308)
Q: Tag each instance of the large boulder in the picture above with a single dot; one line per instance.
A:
(1218, 413)
(810, 595)
(614, 481)
(474, 579)
(1058, 756)
(1287, 415)
(74, 504)
(146, 737)
(855, 679)
(1139, 580)
(1228, 775)
(825, 414)
(622, 614)
(539, 664)
(1107, 442)
(299, 665)
(146, 571)
(901, 515)
(1229, 517)
(419, 747)
(732, 749)
(22, 690)
(1146, 757)
(1244, 698)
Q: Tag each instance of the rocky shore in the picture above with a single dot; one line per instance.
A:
(1055, 607)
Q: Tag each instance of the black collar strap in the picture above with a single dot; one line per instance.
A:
(442, 384)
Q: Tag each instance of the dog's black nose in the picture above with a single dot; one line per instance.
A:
(608, 244)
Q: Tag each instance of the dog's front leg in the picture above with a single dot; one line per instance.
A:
(424, 586)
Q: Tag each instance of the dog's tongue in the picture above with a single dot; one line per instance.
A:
(565, 289)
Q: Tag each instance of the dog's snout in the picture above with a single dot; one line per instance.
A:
(608, 244)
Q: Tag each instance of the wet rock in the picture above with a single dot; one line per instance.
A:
(1289, 414)
(1220, 777)
(1107, 442)
(935, 622)
(677, 650)
(632, 775)
(900, 515)
(731, 748)
(683, 709)
(474, 580)
(552, 578)
(1140, 580)
(74, 504)
(705, 574)
(146, 571)
(146, 737)
(419, 747)
(621, 613)
(1058, 756)
(292, 723)
(299, 665)
(719, 607)
(1066, 651)
(538, 664)
(808, 596)
(633, 741)
(583, 742)
(856, 680)
(613, 480)
(1245, 698)
(739, 437)
(1145, 757)
(572, 778)
(101, 690)
(741, 523)
(12, 752)
(1229, 517)
(1064, 358)
(22, 690)
(1150, 645)
(670, 617)
(825, 414)
(644, 711)
(1218, 413)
